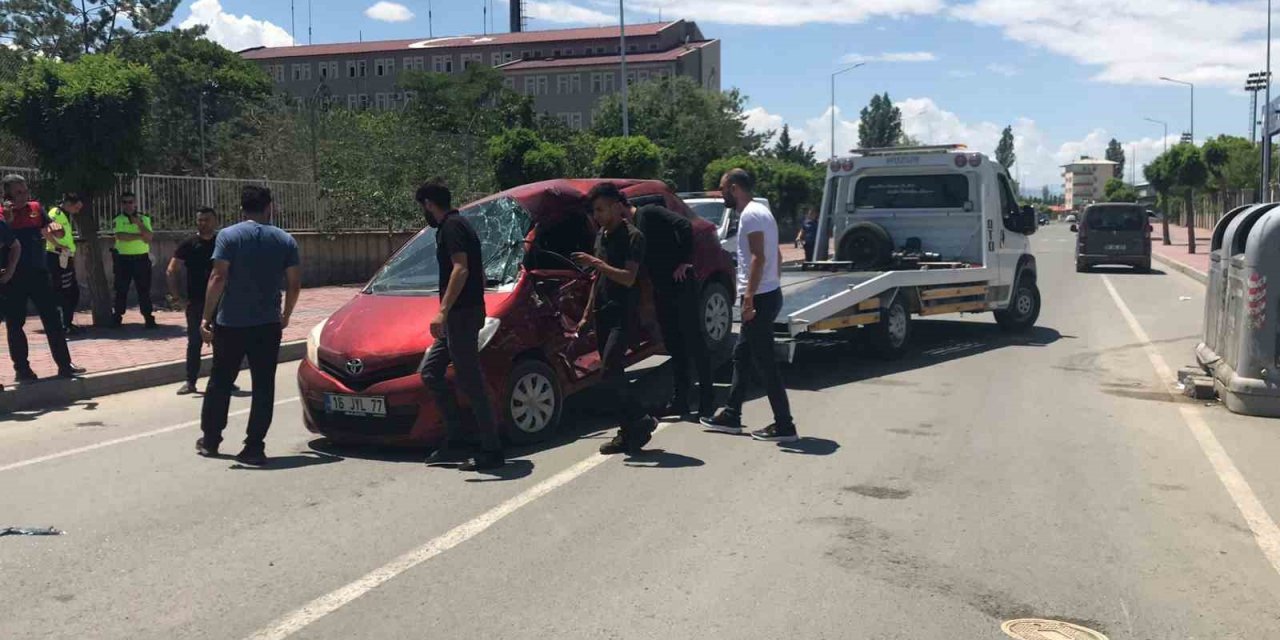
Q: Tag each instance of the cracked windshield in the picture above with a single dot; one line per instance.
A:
(761, 320)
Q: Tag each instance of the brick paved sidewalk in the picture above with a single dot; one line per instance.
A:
(101, 350)
(1177, 251)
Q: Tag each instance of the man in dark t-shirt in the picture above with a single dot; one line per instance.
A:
(456, 330)
(615, 301)
(196, 254)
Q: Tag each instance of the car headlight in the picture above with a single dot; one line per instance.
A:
(487, 332)
(313, 345)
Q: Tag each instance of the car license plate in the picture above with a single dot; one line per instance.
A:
(367, 406)
(1115, 247)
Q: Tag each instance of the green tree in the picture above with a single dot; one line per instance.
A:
(1160, 178)
(546, 161)
(1045, 194)
(694, 125)
(1117, 190)
(787, 185)
(1115, 153)
(579, 146)
(787, 151)
(474, 102)
(880, 124)
(634, 157)
(1005, 154)
(65, 29)
(521, 156)
(85, 121)
(1187, 168)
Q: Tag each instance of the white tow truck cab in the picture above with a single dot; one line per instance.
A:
(917, 231)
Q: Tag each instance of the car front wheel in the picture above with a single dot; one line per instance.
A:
(533, 402)
(1024, 307)
(717, 317)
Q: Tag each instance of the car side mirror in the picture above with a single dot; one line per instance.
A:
(1075, 229)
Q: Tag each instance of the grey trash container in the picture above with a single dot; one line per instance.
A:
(1244, 364)
(1216, 287)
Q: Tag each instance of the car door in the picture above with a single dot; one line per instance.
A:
(1009, 244)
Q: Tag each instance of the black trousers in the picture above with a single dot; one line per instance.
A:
(195, 342)
(231, 345)
(134, 270)
(33, 285)
(680, 318)
(754, 351)
(460, 346)
(65, 284)
(808, 251)
(613, 336)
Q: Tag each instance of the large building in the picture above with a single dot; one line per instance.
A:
(1085, 181)
(565, 70)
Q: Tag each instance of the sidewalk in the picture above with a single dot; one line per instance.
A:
(134, 352)
(1175, 255)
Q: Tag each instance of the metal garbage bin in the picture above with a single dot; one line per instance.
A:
(1216, 287)
(1244, 365)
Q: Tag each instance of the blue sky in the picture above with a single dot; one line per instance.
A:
(1068, 75)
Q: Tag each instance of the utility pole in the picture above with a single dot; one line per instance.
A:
(622, 48)
(1266, 122)
(1164, 217)
(308, 21)
(1191, 229)
(833, 104)
(204, 167)
(430, 26)
(293, 24)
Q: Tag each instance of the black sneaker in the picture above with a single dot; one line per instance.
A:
(484, 462)
(673, 409)
(252, 456)
(723, 422)
(74, 329)
(207, 450)
(776, 433)
(615, 446)
(446, 455)
(187, 389)
(26, 375)
(72, 372)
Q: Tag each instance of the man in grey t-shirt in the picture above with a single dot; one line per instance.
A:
(250, 261)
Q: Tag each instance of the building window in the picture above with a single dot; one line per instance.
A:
(353, 101)
(524, 55)
(602, 82)
(442, 64)
(508, 56)
(568, 52)
(575, 84)
(509, 83)
(415, 63)
(653, 46)
(364, 101)
(302, 71)
(471, 59)
(601, 50)
(410, 96)
(555, 53)
(562, 85)
(381, 102)
(660, 74)
(362, 68)
(572, 120)
(384, 67)
(642, 75)
(328, 70)
(537, 53)
(497, 58)
(631, 78)
(631, 48)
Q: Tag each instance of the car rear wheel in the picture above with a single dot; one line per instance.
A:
(1081, 267)
(533, 402)
(717, 317)
(892, 335)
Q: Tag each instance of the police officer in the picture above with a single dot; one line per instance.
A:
(614, 300)
(60, 255)
(133, 259)
(26, 279)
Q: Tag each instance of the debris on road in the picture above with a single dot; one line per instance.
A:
(30, 531)
(1183, 298)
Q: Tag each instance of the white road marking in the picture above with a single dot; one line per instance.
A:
(1265, 531)
(295, 621)
(116, 441)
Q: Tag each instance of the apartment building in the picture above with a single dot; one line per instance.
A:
(565, 70)
(1085, 181)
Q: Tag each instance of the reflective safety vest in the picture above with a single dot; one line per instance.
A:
(137, 247)
(68, 240)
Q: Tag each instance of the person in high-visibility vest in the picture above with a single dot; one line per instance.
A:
(133, 259)
(60, 254)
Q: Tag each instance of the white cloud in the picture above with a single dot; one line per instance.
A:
(389, 12)
(1137, 41)
(1005, 70)
(232, 31)
(903, 56)
(566, 12)
(772, 13)
(760, 120)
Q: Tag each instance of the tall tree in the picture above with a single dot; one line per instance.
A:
(1117, 191)
(633, 157)
(85, 121)
(1115, 153)
(67, 29)
(787, 151)
(1187, 168)
(1005, 154)
(1160, 178)
(693, 124)
(880, 124)
(474, 102)
(1045, 195)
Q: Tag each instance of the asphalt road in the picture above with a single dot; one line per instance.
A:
(984, 478)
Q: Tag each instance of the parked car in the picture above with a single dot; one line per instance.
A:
(1071, 218)
(1113, 233)
(709, 206)
(359, 381)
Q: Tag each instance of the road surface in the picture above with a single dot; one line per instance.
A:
(983, 478)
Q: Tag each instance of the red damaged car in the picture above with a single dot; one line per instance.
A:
(360, 382)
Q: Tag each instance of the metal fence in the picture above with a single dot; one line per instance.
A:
(1209, 207)
(171, 201)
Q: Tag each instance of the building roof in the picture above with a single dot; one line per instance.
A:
(448, 42)
(1089, 161)
(603, 61)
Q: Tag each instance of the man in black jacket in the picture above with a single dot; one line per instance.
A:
(669, 263)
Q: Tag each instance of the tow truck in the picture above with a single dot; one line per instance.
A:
(919, 231)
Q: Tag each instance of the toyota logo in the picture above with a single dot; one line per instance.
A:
(355, 366)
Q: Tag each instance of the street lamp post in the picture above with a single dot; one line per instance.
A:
(833, 103)
(1164, 215)
(1266, 122)
(1191, 229)
(622, 49)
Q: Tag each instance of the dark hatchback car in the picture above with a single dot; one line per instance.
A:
(1113, 234)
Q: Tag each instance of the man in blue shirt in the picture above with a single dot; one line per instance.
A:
(250, 260)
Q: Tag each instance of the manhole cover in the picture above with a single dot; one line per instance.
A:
(1036, 629)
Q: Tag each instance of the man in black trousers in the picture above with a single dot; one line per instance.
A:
(668, 260)
(614, 301)
(456, 330)
(196, 254)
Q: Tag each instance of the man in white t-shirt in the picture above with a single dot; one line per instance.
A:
(759, 285)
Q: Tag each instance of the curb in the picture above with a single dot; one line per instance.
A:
(56, 392)
(1194, 274)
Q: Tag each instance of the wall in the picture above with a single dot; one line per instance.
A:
(347, 258)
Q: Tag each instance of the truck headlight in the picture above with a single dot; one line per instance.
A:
(313, 345)
(487, 332)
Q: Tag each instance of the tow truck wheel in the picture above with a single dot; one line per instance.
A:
(1024, 307)
(533, 402)
(717, 317)
(892, 334)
